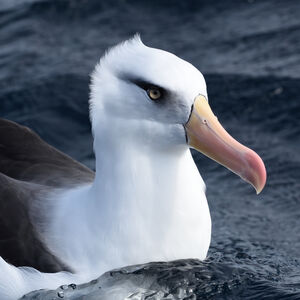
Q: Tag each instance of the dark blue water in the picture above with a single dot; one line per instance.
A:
(249, 52)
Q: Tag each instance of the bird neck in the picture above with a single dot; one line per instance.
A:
(129, 175)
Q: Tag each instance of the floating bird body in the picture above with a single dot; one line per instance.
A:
(146, 201)
(144, 219)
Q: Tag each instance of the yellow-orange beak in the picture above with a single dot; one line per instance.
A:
(206, 134)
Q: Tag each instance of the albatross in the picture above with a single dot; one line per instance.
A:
(61, 222)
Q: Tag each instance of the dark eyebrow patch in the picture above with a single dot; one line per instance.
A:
(139, 81)
(144, 84)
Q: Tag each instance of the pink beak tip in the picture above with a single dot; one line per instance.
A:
(255, 172)
(260, 179)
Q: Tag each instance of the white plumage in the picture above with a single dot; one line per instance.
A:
(147, 202)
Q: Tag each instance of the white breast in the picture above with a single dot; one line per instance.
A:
(142, 207)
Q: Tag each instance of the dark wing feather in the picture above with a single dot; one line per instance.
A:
(25, 156)
(30, 167)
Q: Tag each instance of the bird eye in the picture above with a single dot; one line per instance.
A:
(154, 93)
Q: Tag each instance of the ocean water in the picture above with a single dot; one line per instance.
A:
(249, 53)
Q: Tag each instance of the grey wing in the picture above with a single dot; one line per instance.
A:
(30, 167)
(25, 156)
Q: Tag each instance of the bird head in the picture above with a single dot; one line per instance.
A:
(154, 99)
